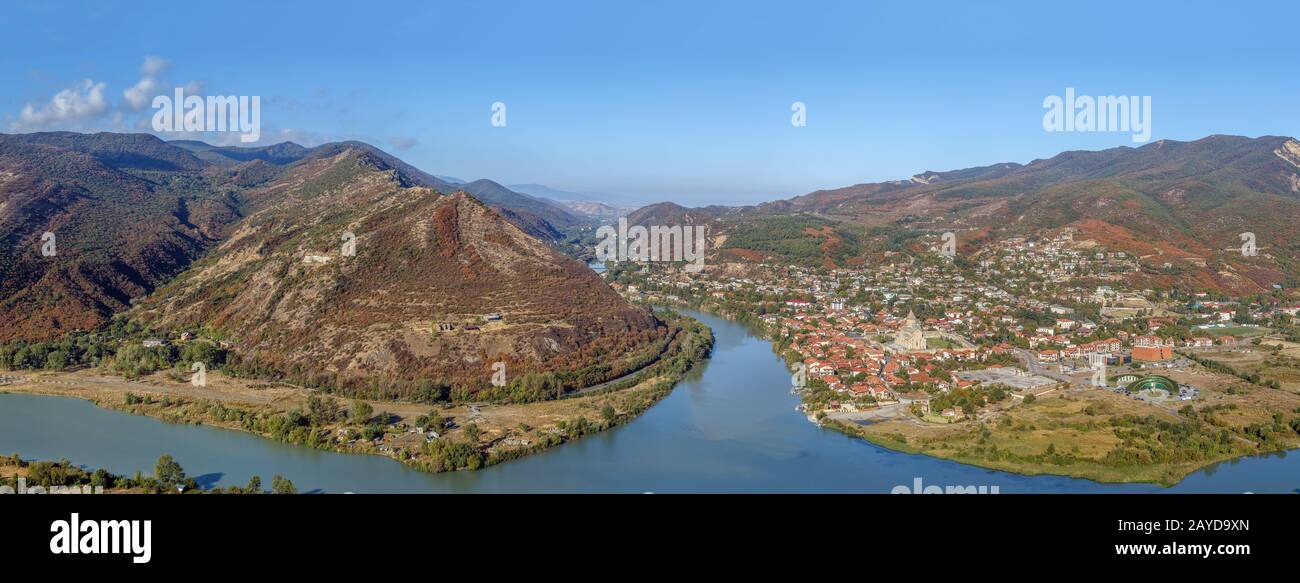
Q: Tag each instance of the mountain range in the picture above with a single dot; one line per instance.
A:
(446, 277)
(1181, 207)
(540, 218)
(338, 265)
(592, 206)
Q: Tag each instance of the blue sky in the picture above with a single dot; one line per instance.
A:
(650, 101)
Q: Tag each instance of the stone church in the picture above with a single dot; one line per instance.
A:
(910, 336)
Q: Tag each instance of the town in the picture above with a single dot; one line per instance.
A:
(931, 341)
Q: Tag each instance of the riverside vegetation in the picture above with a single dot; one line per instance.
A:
(446, 431)
(61, 476)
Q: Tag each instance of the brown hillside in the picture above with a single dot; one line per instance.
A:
(281, 290)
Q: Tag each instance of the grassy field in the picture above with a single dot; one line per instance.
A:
(1107, 437)
(933, 343)
(1239, 331)
(1282, 366)
(933, 418)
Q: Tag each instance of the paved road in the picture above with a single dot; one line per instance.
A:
(881, 413)
(1031, 362)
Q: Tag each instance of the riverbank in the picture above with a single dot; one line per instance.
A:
(21, 476)
(434, 438)
(1088, 433)
(1104, 436)
(727, 427)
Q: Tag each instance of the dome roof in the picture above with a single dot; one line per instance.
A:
(1154, 381)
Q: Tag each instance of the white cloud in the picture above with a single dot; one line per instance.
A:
(85, 107)
(154, 65)
(82, 101)
(141, 94)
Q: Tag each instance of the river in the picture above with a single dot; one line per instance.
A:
(729, 427)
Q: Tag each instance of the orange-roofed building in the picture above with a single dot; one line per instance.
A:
(1152, 353)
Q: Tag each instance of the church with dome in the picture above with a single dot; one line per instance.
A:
(910, 336)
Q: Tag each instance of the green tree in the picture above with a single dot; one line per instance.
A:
(101, 478)
(361, 411)
(254, 485)
(432, 421)
(168, 472)
(281, 485)
(322, 410)
(56, 360)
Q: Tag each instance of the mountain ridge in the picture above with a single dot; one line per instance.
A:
(293, 304)
(591, 206)
(1183, 205)
(135, 217)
